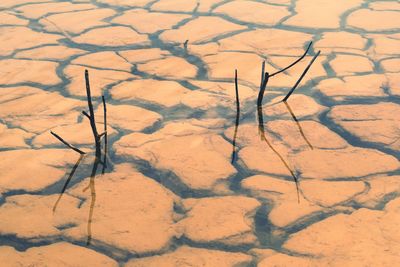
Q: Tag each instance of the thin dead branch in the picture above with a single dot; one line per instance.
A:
(237, 118)
(237, 93)
(294, 63)
(85, 113)
(67, 144)
(262, 89)
(262, 73)
(91, 111)
(301, 77)
(97, 158)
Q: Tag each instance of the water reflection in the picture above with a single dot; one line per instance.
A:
(91, 186)
(263, 137)
(97, 159)
(298, 124)
(261, 129)
(71, 174)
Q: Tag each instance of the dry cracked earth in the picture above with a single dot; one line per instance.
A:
(181, 187)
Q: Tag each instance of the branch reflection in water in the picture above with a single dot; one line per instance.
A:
(71, 174)
(263, 137)
(97, 158)
(298, 125)
(92, 188)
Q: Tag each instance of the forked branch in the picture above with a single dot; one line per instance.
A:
(91, 111)
(97, 158)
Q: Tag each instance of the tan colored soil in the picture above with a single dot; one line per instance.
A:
(187, 181)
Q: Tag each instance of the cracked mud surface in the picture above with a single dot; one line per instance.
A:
(176, 191)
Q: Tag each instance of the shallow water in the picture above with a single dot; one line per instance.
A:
(187, 180)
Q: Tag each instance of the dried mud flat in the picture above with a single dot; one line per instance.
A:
(177, 192)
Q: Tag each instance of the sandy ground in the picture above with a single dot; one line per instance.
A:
(313, 182)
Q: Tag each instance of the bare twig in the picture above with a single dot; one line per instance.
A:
(91, 112)
(262, 89)
(294, 63)
(302, 76)
(237, 118)
(85, 113)
(262, 73)
(67, 144)
(97, 159)
(237, 93)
